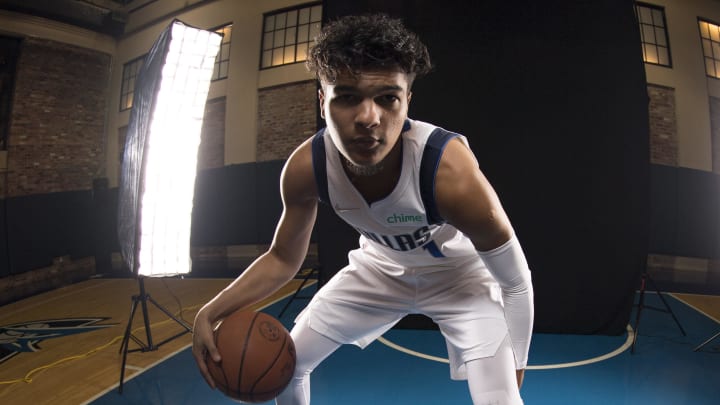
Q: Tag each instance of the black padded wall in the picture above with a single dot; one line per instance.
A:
(554, 104)
(237, 204)
(4, 258)
(224, 206)
(43, 227)
(685, 220)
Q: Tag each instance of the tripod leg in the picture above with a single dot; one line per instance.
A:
(667, 307)
(706, 342)
(170, 314)
(672, 313)
(640, 306)
(128, 328)
(143, 302)
(125, 342)
(305, 280)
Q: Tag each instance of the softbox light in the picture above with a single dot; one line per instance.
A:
(157, 180)
(160, 158)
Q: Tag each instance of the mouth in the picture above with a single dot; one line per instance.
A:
(365, 143)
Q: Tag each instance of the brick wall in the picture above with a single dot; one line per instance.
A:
(212, 146)
(56, 137)
(663, 126)
(286, 117)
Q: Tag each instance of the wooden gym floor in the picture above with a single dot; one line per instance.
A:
(77, 359)
(62, 347)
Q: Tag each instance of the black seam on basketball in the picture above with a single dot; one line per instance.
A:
(277, 356)
(244, 351)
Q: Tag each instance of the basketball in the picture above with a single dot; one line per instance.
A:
(258, 357)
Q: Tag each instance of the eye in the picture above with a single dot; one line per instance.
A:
(346, 99)
(387, 99)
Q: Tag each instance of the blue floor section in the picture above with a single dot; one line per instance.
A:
(664, 369)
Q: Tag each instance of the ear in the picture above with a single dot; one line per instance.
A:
(321, 100)
(409, 97)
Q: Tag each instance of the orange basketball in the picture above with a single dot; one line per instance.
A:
(258, 357)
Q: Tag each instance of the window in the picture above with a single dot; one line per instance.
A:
(653, 34)
(222, 61)
(127, 90)
(287, 34)
(710, 36)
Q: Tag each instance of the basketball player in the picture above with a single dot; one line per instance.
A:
(434, 238)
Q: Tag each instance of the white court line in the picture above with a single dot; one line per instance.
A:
(622, 348)
(141, 370)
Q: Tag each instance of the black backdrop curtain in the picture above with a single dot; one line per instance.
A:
(552, 96)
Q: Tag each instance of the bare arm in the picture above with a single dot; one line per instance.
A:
(275, 267)
(467, 201)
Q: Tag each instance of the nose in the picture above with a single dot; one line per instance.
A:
(368, 114)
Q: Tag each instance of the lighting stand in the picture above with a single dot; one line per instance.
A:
(143, 298)
(706, 342)
(312, 270)
(641, 304)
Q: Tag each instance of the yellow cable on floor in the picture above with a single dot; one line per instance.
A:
(28, 377)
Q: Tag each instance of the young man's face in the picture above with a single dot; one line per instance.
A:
(365, 113)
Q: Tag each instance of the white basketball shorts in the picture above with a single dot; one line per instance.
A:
(362, 302)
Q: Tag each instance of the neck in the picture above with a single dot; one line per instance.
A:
(362, 171)
(392, 161)
(378, 181)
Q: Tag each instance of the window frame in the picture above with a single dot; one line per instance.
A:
(295, 41)
(715, 57)
(218, 60)
(655, 44)
(124, 79)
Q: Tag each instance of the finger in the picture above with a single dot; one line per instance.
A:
(213, 352)
(200, 357)
(202, 366)
(207, 376)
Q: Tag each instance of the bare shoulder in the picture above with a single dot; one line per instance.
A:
(458, 172)
(298, 177)
(467, 200)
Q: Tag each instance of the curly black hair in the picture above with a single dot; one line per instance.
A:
(362, 42)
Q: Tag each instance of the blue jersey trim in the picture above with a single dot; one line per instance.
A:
(320, 166)
(434, 147)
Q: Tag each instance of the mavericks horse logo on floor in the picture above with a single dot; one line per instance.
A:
(25, 336)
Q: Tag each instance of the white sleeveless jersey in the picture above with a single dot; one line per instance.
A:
(404, 230)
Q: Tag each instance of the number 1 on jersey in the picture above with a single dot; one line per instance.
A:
(433, 249)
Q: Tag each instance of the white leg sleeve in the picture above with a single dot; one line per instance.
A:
(311, 348)
(492, 380)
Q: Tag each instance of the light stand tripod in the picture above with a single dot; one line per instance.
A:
(641, 304)
(143, 298)
(159, 165)
(703, 344)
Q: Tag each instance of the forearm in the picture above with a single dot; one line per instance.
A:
(508, 265)
(262, 278)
